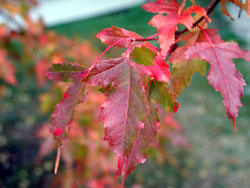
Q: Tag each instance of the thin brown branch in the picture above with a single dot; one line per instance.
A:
(211, 7)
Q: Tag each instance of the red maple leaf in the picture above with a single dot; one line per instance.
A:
(125, 109)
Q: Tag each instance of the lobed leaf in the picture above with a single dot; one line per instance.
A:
(125, 109)
(222, 74)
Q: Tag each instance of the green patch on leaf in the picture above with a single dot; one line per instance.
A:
(183, 72)
(161, 94)
(143, 56)
(66, 72)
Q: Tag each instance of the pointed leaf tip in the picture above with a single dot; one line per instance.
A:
(234, 125)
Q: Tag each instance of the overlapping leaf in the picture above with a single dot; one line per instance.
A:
(222, 74)
(167, 25)
(183, 72)
(159, 70)
(66, 72)
(161, 94)
(183, 69)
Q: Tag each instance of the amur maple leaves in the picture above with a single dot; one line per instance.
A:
(140, 80)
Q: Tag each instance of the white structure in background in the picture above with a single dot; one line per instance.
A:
(56, 12)
(241, 26)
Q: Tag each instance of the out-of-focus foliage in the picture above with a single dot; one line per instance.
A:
(27, 98)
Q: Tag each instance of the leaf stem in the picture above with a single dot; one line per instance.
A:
(108, 48)
(146, 39)
(58, 155)
(152, 37)
(211, 7)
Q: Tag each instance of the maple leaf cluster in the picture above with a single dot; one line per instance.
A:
(136, 85)
(87, 159)
(35, 48)
(140, 80)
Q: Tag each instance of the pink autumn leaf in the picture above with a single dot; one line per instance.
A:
(125, 109)
(173, 18)
(111, 35)
(223, 75)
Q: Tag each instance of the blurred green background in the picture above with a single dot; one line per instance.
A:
(218, 158)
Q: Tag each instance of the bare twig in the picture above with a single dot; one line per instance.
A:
(211, 7)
